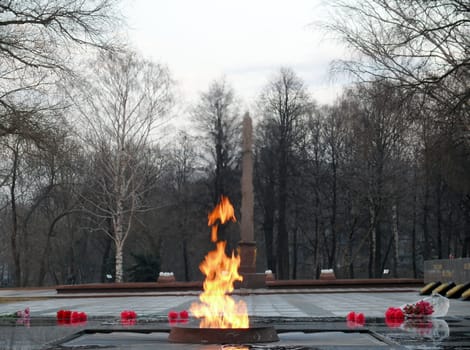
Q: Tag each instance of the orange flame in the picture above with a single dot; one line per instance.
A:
(219, 310)
(223, 211)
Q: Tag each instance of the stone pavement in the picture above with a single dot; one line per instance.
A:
(282, 308)
(261, 303)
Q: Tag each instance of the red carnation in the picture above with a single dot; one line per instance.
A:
(172, 315)
(394, 313)
(355, 320)
(184, 314)
(360, 319)
(67, 315)
(398, 315)
(60, 315)
(75, 317)
(394, 317)
(351, 316)
(389, 312)
(128, 314)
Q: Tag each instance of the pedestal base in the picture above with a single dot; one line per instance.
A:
(327, 275)
(247, 253)
(252, 281)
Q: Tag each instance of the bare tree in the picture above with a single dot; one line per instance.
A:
(184, 160)
(218, 119)
(38, 38)
(284, 103)
(31, 180)
(415, 44)
(122, 104)
(265, 179)
(379, 128)
(423, 47)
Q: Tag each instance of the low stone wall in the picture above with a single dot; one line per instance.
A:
(447, 270)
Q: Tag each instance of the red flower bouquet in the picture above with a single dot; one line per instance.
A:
(395, 316)
(420, 309)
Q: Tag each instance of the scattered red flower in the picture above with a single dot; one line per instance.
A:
(394, 317)
(67, 314)
(68, 317)
(360, 319)
(351, 316)
(128, 318)
(394, 313)
(355, 320)
(178, 317)
(172, 315)
(128, 315)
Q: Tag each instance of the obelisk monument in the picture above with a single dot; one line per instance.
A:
(247, 245)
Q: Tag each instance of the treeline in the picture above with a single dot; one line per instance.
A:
(95, 184)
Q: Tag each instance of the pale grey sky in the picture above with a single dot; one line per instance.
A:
(245, 41)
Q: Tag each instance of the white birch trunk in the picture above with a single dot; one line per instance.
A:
(119, 264)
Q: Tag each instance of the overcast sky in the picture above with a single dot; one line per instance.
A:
(247, 41)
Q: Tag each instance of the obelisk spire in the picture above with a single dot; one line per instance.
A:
(247, 230)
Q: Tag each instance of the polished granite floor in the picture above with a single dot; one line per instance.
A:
(304, 319)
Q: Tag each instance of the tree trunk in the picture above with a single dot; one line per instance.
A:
(283, 238)
(396, 256)
(185, 260)
(439, 190)
(316, 233)
(334, 205)
(349, 262)
(119, 263)
(15, 251)
(44, 262)
(219, 161)
(294, 256)
(466, 244)
(373, 241)
(413, 229)
(378, 252)
(268, 206)
(427, 240)
(106, 260)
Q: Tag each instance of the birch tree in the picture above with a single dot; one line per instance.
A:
(123, 101)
